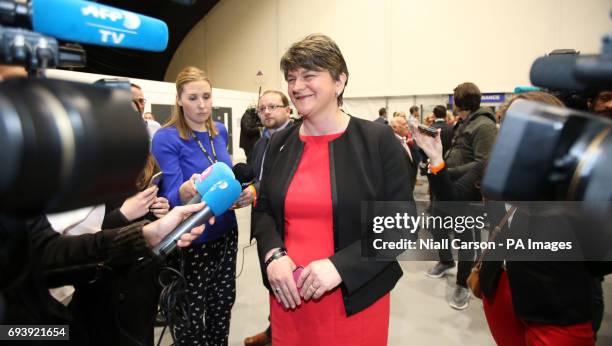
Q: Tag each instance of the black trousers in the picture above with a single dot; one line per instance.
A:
(466, 258)
(210, 273)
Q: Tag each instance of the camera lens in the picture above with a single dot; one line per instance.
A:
(549, 153)
(65, 145)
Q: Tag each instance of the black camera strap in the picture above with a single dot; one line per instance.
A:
(212, 159)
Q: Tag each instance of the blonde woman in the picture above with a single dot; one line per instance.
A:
(188, 144)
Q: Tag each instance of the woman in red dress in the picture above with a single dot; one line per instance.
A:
(316, 174)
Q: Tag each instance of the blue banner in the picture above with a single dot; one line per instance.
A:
(486, 98)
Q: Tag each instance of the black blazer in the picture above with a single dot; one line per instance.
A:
(446, 134)
(366, 164)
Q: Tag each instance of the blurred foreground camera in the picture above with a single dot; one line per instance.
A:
(65, 145)
(545, 153)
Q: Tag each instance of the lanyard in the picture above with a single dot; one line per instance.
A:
(212, 159)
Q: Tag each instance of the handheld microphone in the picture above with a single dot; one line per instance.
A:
(209, 177)
(92, 23)
(244, 174)
(220, 197)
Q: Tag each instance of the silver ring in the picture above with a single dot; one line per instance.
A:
(277, 290)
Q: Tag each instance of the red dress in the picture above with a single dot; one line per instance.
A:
(309, 237)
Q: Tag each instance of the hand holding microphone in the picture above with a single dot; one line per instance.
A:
(219, 191)
(246, 198)
(192, 190)
(156, 231)
(244, 174)
(188, 191)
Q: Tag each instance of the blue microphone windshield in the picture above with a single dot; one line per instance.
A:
(210, 176)
(222, 195)
(92, 23)
(525, 89)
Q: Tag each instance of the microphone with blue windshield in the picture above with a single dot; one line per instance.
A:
(219, 198)
(93, 23)
(209, 177)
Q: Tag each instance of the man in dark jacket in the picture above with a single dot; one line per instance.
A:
(446, 129)
(475, 132)
(274, 112)
(382, 117)
(474, 135)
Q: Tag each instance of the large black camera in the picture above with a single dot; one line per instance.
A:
(66, 145)
(63, 145)
(545, 153)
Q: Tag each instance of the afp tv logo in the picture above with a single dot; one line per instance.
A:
(109, 30)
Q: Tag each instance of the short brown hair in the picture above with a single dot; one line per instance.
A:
(187, 75)
(316, 52)
(282, 96)
(439, 112)
(467, 96)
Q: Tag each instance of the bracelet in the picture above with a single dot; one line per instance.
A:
(254, 192)
(437, 168)
(276, 255)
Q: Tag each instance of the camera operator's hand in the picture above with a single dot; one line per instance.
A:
(188, 189)
(138, 205)
(156, 231)
(432, 146)
(160, 207)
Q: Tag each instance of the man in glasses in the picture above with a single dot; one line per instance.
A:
(139, 103)
(274, 112)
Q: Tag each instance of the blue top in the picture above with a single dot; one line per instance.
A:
(179, 159)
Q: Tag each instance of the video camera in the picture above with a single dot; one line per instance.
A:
(64, 144)
(545, 153)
